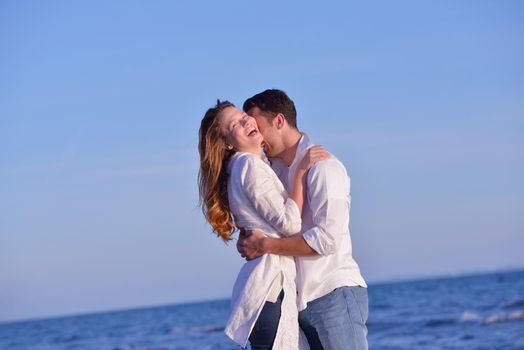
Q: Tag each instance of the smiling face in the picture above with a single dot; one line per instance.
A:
(241, 130)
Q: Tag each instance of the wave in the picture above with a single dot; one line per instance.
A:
(473, 317)
(66, 339)
(200, 329)
(440, 322)
(513, 303)
(504, 317)
(140, 348)
(469, 316)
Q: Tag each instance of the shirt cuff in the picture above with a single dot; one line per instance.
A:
(316, 239)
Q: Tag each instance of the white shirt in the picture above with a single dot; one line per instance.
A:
(325, 227)
(259, 201)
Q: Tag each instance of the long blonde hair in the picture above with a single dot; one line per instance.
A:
(212, 176)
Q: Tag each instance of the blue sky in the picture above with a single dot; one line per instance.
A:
(99, 110)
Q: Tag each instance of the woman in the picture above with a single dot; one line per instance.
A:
(236, 182)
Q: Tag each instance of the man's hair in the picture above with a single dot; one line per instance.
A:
(274, 101)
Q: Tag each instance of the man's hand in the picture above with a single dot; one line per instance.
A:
(250, 244)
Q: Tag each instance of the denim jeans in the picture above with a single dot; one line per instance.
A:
(337, 320)
(263, 334)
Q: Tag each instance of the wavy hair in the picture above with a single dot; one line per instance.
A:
(212, 176)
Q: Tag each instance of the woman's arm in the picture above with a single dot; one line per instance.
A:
(258, 181)
(298, 190)
(260, 185)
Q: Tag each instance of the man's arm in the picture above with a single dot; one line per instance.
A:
(256, 244)
(329, 203)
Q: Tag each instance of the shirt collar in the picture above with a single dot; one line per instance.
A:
(303, 144)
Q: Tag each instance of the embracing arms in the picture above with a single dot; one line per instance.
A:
(282, 213)
(329, 201)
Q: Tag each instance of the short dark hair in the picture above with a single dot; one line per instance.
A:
(274, 101)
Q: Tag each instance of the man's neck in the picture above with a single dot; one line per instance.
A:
(290, 147)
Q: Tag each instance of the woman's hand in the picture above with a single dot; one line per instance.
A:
(250, 244)
(314, 154)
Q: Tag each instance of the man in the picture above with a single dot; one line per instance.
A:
(332, 295)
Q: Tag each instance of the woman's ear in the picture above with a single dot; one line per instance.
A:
(229, 147)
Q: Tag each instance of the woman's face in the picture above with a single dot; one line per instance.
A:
(241, 130)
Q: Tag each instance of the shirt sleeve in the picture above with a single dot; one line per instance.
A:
(329, 202)
(278, 210)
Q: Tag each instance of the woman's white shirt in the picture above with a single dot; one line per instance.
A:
(258, 200)
(257, 197)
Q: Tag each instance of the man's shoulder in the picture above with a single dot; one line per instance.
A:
(332, 166)
(331, 163)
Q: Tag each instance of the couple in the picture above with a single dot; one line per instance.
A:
(300, 287)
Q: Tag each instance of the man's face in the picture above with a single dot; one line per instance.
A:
(268, 131)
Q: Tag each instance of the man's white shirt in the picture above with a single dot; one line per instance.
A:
(325, 227)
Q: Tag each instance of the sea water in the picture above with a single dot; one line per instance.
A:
(469, 312)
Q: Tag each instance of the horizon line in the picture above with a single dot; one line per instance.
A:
(407, 279)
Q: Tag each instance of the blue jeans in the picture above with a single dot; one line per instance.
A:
(337, 320)
(263, 334)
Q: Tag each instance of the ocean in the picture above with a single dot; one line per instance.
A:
(468, 312)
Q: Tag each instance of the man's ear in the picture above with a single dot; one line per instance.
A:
(279, 121)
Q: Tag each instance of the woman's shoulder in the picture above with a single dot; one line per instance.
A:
(246, 159)
(244, 162)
